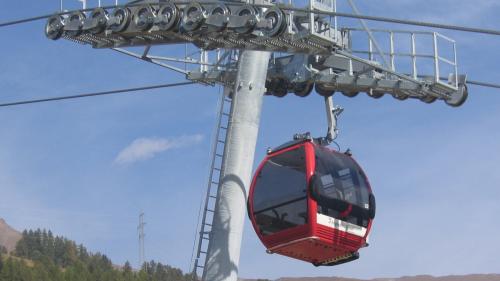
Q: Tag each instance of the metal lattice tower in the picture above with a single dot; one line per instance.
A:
(142, 235)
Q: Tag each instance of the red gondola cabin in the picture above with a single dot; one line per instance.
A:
(311, 203)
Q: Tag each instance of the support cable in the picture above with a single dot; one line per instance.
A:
(150, 60)
(399, 21)
(370, 34)
(305, 10)
(484, 84)
(25, 20)
(129, 90)
(14, 22)
(476, 83)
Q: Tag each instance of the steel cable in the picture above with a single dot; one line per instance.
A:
(128, 90)
(344, 15)
(484, 84)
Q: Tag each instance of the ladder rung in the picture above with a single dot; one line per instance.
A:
(203, 252)
(224, 128)
(225, 114)
(228, 100)
(205, 238)
(214, 197)
(220, 141)
(217, 169)
(219, 155)
(214, 182)
(200, 266)
(208, 224)
(212, 211)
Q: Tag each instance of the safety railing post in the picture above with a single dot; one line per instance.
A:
(392, 55)
(436, 58)
(456, 64)
(370, 49)
(414, 56)
(311, 17)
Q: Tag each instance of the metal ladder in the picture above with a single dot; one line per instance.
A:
(217, 154)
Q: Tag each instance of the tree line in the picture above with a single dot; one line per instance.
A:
(41, 256)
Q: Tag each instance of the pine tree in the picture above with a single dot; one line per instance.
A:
(128, 274)
(3, 250)
(56, 258)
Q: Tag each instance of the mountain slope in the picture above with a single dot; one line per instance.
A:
(473, 277)
(8, 236)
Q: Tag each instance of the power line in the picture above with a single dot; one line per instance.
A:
(96, 94)
(344, 15)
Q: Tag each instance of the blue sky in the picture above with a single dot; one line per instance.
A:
(86, 168)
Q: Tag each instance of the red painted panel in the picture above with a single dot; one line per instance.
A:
(312, 242)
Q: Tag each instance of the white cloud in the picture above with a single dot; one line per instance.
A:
(146, 148)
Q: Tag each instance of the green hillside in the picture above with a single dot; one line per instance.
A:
(41, 256)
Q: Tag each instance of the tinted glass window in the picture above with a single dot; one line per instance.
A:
(280, 194)
(340, 182)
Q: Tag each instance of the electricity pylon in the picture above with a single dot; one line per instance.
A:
(142, 235)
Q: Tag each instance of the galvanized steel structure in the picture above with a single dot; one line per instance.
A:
(255, 48)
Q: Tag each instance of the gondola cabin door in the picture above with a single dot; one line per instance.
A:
(311, 203)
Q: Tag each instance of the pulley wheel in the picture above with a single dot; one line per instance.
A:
(194, 15)
(54, 27)
(269, 87)
(122, 19)
(168, 16)
(459, 97)
(246, 10)
(279, 87)
(280, 91)
(101, 16)
(219, 10)
(277, 22)
(428, 99)
(323, 91)
(303, 89)
(350, 94)
(375, 94)
(400, 96)
(144, 17)
(75, 20)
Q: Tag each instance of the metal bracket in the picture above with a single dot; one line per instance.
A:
(332, 115)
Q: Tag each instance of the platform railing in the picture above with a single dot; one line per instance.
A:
(432, 59)
(328, 27)
(71, 4)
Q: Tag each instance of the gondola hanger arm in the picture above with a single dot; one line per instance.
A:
(332, 114)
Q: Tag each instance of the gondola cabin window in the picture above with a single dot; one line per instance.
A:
(340, 188)
(280, 195)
